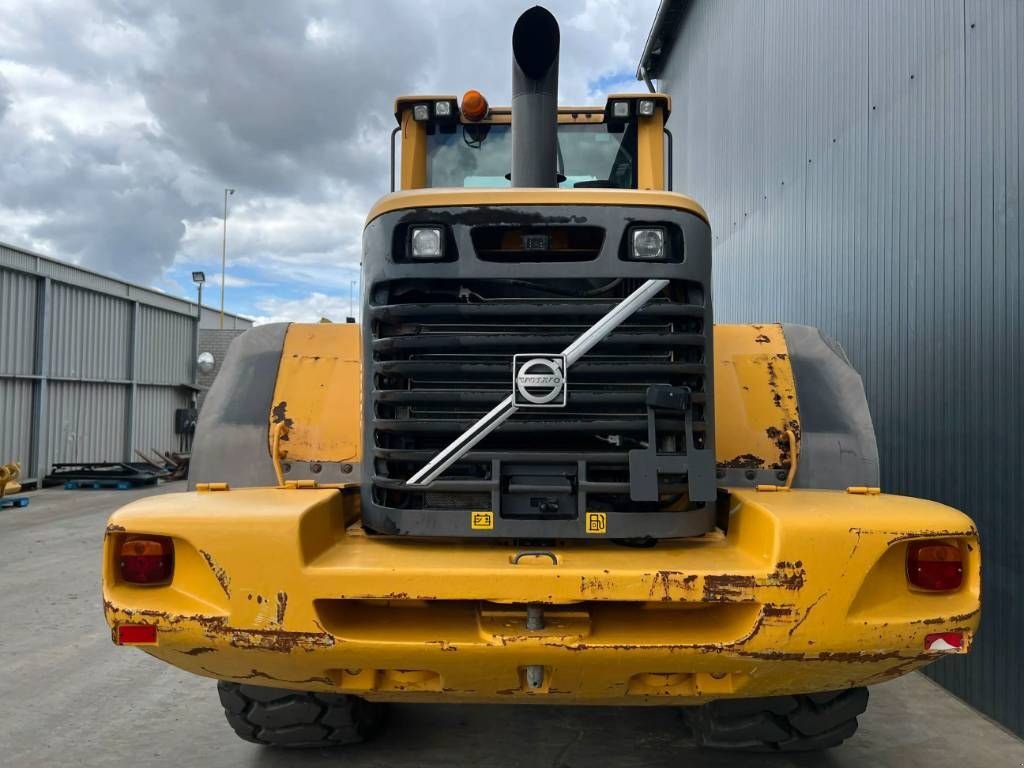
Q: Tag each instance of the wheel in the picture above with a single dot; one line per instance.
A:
(282, 718)
(779, 723)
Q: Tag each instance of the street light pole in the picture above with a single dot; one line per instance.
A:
(224, 255)
(198, 278)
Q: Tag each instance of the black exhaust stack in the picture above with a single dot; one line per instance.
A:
(535, 41)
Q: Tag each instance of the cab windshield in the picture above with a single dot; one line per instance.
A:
(480, 155)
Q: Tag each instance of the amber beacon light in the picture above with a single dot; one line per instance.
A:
(474, 105)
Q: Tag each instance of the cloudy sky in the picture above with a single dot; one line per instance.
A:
(122, 121)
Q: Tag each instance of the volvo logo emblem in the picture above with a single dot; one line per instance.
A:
(539, 381)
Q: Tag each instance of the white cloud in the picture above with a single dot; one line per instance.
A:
(121, 123)
(309, 309)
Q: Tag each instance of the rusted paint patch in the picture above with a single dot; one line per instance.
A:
(728, 588)
(762, 339)
(282, 606)
(219, 573)
(786, 575)
(743, 461)
(279, 415)
(956, 619)
(115, 528)
(927, 533)
(807, 613)
(385, 596)
(667, 581)
(443, 645)
(733, 588)
(198, 651)
(855, 657)
(591, 584)
(257, 674)
(217, 628)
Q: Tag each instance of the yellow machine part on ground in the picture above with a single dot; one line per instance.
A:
(9, 474)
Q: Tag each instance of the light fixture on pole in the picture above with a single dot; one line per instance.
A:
(224, 254)
(198, 278)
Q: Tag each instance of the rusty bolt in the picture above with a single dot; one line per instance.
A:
(780, 474)
(720, 473)
(534, 617)
(286, 467)
(750, 474)
(315, 467)
(346, 469)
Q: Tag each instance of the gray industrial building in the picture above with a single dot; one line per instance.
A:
(861, 165)
(91, 367)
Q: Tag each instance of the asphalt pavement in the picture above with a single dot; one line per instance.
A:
(68, 697)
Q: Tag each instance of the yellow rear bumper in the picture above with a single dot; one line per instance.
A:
(806, 592)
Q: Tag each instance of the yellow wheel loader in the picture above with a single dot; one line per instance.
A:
(536, 472)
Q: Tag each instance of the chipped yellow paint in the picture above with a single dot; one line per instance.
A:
(755, 397)
(318, 394)
(804, 592)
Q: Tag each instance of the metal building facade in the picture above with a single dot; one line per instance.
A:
(861, 164)
(90, 367)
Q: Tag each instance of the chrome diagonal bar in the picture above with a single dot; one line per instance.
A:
(498, 415)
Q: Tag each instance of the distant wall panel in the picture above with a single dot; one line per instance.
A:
(15, 421)
(17, 321)
(88, 334)
(86, 422)
(165, 346)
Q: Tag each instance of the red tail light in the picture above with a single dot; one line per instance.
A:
(937, 566)
(147, 559)
(136, 634)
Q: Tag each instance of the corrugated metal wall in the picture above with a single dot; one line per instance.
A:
(861, 165)
(90, 370)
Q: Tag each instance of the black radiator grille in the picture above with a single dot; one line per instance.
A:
(442, 357)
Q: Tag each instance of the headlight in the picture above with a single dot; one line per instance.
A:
(421, 112)
(620, 110)
(645, 107)
(443, 108)
(648, 244)
(426, 243)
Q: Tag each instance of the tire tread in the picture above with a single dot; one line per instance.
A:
(800, 723)
(278, 717)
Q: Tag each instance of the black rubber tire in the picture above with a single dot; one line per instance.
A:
(801, 723)
(282, 718)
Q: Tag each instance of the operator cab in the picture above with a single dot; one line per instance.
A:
(445, 144)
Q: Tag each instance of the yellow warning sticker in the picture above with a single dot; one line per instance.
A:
(597, 522)
(481, 521)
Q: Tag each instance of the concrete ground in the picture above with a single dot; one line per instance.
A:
(69, 697)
